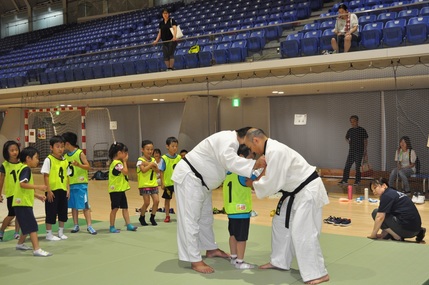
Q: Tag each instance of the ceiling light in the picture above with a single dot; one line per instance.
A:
(154, 99)
(275, 92)
(162, 100)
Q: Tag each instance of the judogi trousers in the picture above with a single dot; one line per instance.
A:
(194, 219)
(302, 237)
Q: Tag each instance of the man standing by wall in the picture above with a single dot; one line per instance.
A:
(357, 139)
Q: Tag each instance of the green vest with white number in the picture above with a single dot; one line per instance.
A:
(117, 183)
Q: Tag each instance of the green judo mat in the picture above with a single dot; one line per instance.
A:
(149, 256)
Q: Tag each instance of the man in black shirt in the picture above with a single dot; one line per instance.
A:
(357, 138)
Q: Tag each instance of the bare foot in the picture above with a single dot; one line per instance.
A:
(201, 267)
(217, 253)
(319, 280)
(268, 266)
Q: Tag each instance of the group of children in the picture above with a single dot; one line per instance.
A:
(65, 186)
(153, 172)
(65, 176)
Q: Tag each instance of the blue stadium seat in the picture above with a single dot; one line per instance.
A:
(316, 5)
(88, 71)
(394, 32)
(78, 74)
(310, 27)
(356, 4)
(273, 30)
(419, 4)
(289, 16)
(220, 54)
(408, 14)
(43, 78)
(385, 17)
(141, 63)
(118, 68)
(363, 20)
(227, 38)
(291, 47)
(156, 63)
(205, 56)
(238, 51)
(68, 73)
(417, 30)
(325, 39)
(60, 75)
(310, 42)
(424, 11)
(191, 60)
(303, 10)
(371, 35)
(256, 41)
(179, 58)
(129, 65)
(330, 25)
(380, 8)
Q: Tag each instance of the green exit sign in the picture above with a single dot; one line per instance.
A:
(236, 102)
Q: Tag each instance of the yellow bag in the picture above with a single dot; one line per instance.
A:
(194, 49)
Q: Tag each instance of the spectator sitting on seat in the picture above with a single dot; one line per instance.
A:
(346, 30)
(405, 157)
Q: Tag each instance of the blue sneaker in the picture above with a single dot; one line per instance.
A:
(132, 228)
(75, 229)
(91, 230)
(113, 230)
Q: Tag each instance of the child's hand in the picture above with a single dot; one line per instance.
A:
(41, 197)
(75, 163)
(42, 187)
(125, 159)
(50, 196)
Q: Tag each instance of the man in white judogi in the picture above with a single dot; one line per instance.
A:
(296, 232)
(195, 176)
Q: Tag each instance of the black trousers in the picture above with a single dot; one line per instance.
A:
(356, 158)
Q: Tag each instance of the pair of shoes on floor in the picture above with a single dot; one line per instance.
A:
(338, 221)
(421, 235)
(167, 219)
(40, 252)
(114, 230)
(51, 237)
(75, 229)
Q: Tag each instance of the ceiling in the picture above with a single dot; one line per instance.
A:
(361, 71)
(13, 6)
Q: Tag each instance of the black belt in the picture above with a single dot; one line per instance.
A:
(286, 194)
(197, 174)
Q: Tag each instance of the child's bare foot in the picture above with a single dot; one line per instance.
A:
(201, 267)
(268, 266)
(319, 280)
(217, 253)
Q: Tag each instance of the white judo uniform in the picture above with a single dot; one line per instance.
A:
(286, 170)
(212, 158)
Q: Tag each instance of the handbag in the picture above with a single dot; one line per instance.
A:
(366, 169)
(179, 33)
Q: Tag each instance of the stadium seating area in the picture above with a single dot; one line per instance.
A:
(226, 31)
(381, 24)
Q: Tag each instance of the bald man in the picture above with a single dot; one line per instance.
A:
(298, 220)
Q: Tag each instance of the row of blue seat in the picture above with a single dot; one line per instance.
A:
(393, 33)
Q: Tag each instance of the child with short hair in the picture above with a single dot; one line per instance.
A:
(54, 170)
(78, 177)
(183, 152)
(147, 170)
(23, 202)
(171, 158)
(118, 185)
(237, 197)
(9, 178)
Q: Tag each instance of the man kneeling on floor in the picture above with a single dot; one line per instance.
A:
(397, 216)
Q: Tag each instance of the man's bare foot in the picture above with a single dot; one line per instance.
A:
(319, 280)
(217, 253)
(201, 267)
(268, 266)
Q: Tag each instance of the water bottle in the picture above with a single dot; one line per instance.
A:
(350, 191)
(366, 194)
